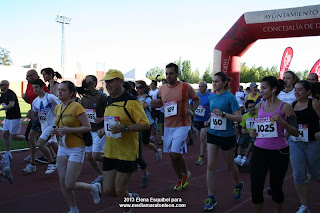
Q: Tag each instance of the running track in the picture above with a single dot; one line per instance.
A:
(37, 192)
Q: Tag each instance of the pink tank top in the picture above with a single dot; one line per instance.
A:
(272, 143)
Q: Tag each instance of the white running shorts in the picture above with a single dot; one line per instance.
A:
(75, 154)
(12, 125)
(175, 139)
(97, 143)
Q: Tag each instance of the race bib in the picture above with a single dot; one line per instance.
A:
(42, 117)
(303, 133)
(217, 122)
(170, 108)
(249, 123)
(62, 140)
(266, 127)
(110, 121)
(91, 113)
(200, 111)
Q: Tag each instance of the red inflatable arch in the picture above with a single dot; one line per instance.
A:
(251, 26)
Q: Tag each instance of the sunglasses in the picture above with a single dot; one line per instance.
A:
(139, 87)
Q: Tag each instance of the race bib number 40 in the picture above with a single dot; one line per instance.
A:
(91, 113)
(303, 133)
(170, 108)
(218, 123)
(200, 111)
(42, 116)
(266, 127)
(110, 121)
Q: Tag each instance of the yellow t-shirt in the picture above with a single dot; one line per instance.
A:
(127, 146)
(254, 98)
(70, 119)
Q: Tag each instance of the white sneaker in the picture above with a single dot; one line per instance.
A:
(303, 209)
(243, 161)
(51, 168)
(30, 168)
(99, 179)
(96, 192)
(237, 160)
(159, 154)
(27, 158)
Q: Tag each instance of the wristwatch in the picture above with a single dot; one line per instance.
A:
(126, 129)
(223, 114)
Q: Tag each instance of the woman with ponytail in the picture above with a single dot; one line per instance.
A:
(48, 76)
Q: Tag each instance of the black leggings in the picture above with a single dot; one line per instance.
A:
(277, 162)
(140, 160)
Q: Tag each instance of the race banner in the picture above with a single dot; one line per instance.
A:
(285, 62)
(316, 68)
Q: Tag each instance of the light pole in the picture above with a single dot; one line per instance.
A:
(63, 20)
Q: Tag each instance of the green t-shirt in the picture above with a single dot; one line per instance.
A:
(248, 121)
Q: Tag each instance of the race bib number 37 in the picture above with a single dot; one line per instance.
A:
(170, 108)
(266, 127)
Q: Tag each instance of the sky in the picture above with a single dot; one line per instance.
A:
(139, 34)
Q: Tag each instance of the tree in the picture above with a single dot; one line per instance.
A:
(5, 57)
(179, 63)
(195, 78)
(207, 75)
(186, 71)
(153, 72)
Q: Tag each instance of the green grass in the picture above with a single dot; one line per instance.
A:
(24, 108)
(14, 145)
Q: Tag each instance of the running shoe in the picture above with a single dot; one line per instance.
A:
(42, 159)
(200, 161)
(51, 168)
(243, 161)
(237, 191)
(178, 187)
(99, 179)
(145, 180)
(9, 155)
(74, 211)
(159, 154)
(237, 160)
(160, 142)
(185, 180)
(210, 202)
(27, 158)
(30, 168)
(7, 174)
(5, 161)
(303, 209)
(96, 192)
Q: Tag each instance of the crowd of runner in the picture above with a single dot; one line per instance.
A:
(262, 129)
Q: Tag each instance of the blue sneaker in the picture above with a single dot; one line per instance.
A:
(237, 191)
(6, 161)
(210, 203)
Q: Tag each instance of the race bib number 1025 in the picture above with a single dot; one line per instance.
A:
(266, 127)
